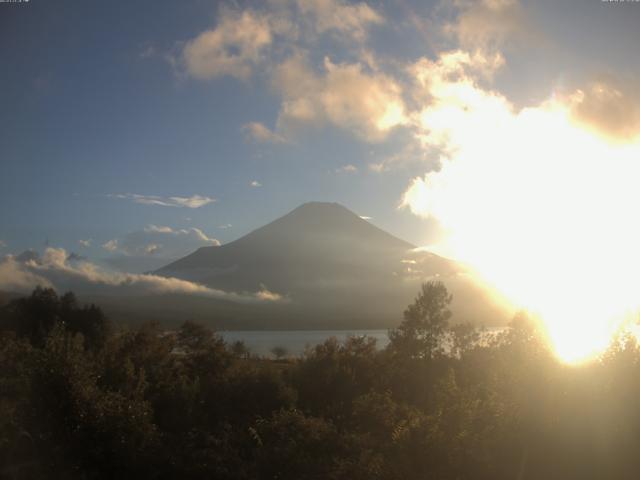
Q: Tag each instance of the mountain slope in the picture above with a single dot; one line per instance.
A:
(315, 242)
(331, 265)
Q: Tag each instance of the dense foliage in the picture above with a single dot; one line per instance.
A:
(80, 399)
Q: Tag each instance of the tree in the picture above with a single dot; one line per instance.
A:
(464, 338)
(347, 369)
(240, 349)
(35, 316)
(279, 352)
(425, 323)
(193, 337)
(292, 445)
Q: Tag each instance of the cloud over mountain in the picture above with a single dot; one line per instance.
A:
(55, 269)
(153, 246)
(167, 242)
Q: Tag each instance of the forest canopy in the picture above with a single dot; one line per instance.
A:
(82, 398)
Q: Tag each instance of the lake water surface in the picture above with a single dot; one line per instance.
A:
(260, 342)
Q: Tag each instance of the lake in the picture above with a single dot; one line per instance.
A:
(261, 342)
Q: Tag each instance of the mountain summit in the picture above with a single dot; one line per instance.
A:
(316, 242)
(326, 224)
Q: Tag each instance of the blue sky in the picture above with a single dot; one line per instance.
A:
(110, 110)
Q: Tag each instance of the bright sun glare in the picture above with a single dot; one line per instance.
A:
(541, 207)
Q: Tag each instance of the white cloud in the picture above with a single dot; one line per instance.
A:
(488, 25)
(111, 245)
(355, 95)
(162, 242)
(349, 168)
(232, 48)
(15, 278)
(454, 68)
(412, 154)
(85, 243)
(152, 249)
(244, 39)
(225, 226)
(452, 98)
(54, 270)
(368, 104)
(155, 246)
(296, 82)
(349, 20)
(608, 108)
(255, 184)
(265, 295)
(260, 133)
(2, 244)
(378, 167)
(194, 201)
(192, 233)
(158, 229)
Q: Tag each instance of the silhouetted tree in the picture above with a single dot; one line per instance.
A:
(463, 338)
(279, 352)
(425, 323)
(35, 316)
(240, 349)
(292, 446)
(348, 370)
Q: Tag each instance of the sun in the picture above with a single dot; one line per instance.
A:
(542, 208)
